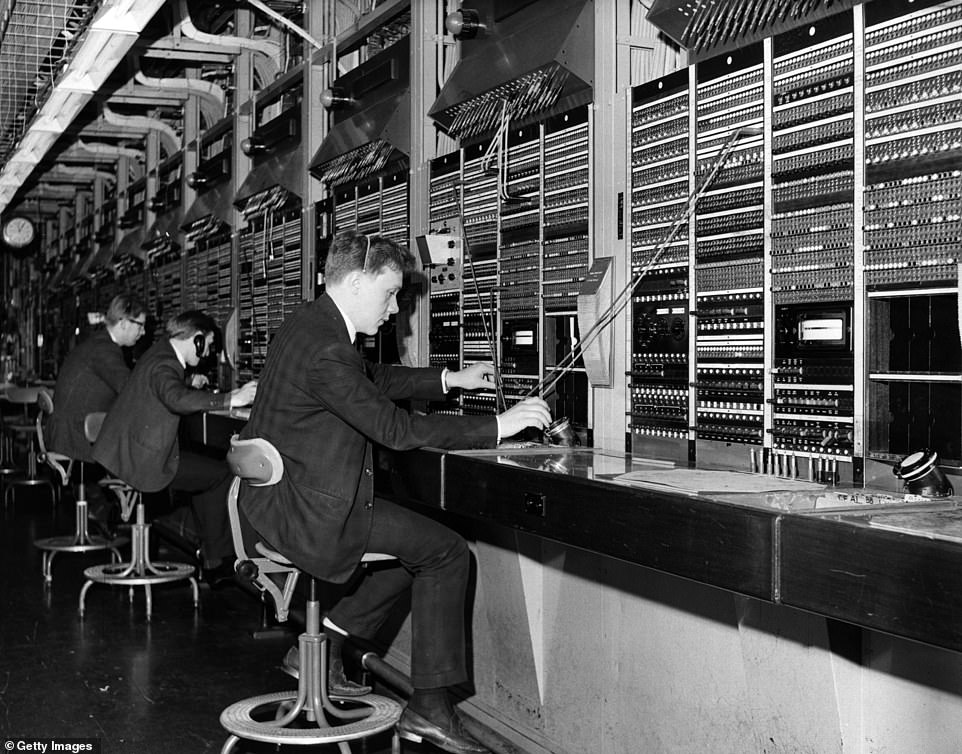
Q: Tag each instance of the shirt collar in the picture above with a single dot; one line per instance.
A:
(351, 330)
(179, 357)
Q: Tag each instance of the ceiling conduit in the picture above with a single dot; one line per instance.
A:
(266, 64)
(106, 41)
(143, 123)
(211, 96)
(110, 151)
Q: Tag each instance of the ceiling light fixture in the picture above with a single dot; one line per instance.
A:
(464, 23)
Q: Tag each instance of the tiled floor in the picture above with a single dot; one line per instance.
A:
(138, 687)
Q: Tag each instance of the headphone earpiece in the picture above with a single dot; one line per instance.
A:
(200, 345)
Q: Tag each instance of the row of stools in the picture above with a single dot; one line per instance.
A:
(309, 716)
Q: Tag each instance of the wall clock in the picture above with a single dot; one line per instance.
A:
(19, 232)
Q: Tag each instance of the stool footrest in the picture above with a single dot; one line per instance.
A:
(240, 720)
(118, 574)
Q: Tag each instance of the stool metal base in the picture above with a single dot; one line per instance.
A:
(68, 543)
(80, 541)
(240, 720)
(328, 723)
(12, 482)
(139, 570)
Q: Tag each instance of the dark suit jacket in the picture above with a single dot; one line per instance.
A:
(138, 441)
(322, 405)
(92, 375)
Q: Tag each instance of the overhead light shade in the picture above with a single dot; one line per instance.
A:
(464, 23)
(334, 97)
(252, 145)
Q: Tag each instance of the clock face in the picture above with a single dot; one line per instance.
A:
(18, 232)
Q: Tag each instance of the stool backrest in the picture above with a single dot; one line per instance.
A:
(44, 401)
(92, 424)
(256, 461)
(53, 460)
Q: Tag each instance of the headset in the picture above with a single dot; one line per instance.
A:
(200, 345)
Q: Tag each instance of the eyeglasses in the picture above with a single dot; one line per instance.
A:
(141, 324)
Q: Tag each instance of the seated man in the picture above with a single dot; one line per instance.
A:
(138, 441)
(92, 375)
(323, 406)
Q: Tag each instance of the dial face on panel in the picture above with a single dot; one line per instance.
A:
(18, 232)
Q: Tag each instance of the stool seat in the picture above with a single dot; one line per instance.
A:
(325, 720)
(140, 570)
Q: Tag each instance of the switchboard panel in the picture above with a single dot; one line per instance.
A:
(913, 229)
(269, 273)
(658, 406)
(809, 303)
(520, 200)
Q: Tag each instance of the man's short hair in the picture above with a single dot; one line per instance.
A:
(123, 306)
(352, 251)
(187, 324)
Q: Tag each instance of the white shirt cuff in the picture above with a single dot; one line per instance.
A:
(444, 380)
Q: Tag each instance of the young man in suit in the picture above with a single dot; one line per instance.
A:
(138, 441)
(323, 406)
(91, 377)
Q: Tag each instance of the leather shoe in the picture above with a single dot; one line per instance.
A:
(452, 737)
(338, 684)
(218, 576)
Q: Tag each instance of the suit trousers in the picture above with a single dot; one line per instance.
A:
(207, 480)
(435, 566)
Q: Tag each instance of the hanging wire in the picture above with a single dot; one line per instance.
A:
(286, 22)
(546, 386)
(499, 401)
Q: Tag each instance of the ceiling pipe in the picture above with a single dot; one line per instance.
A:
(268, 69)
(212, 100)
(74, 174)
(143, 123)
(105, 150)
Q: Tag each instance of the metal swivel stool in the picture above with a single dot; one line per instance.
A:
(26, 427)
(257, 462)
(7, 464)
(139, 570)
(81, 540)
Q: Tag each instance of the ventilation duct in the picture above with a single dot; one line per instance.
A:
(709, 27)
(371, 118)
(536, 57)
